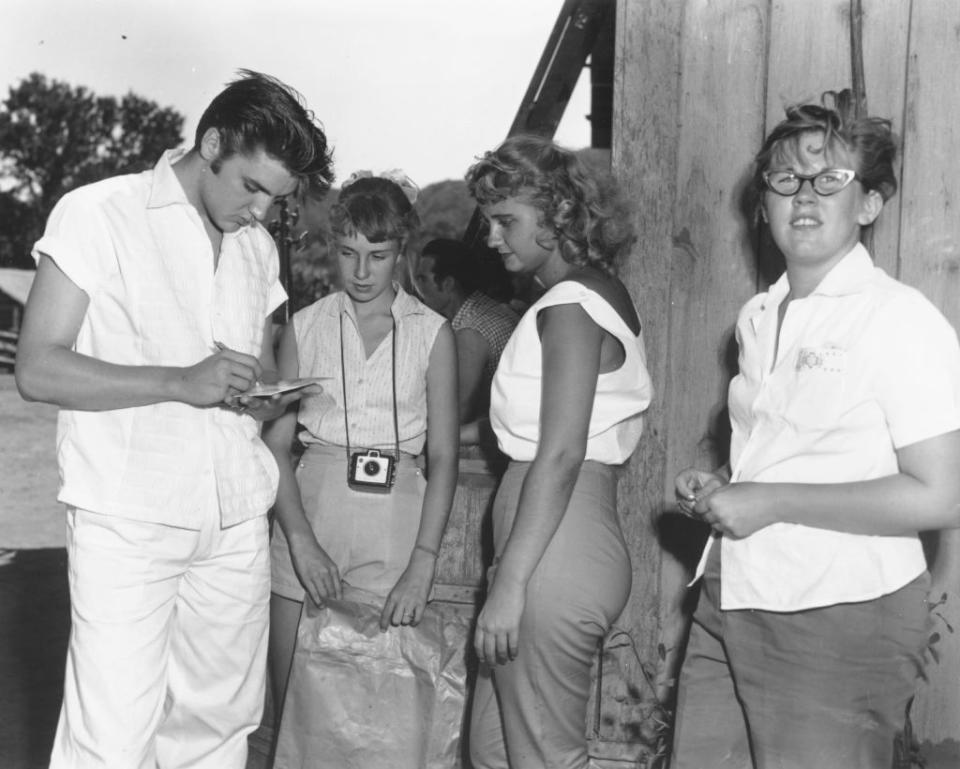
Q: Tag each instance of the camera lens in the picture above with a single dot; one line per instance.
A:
(370, 467)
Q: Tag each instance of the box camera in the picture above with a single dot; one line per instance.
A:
(371, 471)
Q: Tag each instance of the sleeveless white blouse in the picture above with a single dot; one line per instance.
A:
(616, 421)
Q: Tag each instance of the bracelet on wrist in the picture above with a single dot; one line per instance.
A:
(426, 549)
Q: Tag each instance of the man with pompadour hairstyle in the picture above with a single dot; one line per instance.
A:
(149, 318)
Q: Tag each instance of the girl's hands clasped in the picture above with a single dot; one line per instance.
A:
(692, 485)
(733, 509)
(739, 509)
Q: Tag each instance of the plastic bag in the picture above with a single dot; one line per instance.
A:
(361, 699)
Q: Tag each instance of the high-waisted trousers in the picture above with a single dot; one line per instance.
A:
(531, 712)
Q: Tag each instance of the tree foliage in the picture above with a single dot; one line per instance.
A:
(445, 209)
(55, 137)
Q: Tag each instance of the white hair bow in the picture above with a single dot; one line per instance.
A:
(395, 175)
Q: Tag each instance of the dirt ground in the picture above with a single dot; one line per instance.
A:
(30, 516)
(34, 603)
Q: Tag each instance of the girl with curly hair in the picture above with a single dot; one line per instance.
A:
(566, 407)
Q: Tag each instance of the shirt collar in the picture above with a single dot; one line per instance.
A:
(403, 304)
(166, 189)
(848, 276)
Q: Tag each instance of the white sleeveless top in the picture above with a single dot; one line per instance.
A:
(622, 395)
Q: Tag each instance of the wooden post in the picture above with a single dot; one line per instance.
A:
(812, 55)
(646, 98)
(697, 85)
(714, 268)
(929, 258)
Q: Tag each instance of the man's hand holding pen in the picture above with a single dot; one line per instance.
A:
(246, 373)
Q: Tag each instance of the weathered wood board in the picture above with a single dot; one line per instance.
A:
(697, 85)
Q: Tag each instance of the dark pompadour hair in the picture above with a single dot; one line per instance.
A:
(454, 259)
(258, 111)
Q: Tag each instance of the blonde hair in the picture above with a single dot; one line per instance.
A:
(583, 210)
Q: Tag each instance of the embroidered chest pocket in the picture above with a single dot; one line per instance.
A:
(816, 398)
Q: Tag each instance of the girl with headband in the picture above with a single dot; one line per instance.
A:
(356, 509)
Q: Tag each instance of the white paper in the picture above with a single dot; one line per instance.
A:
(265, 390)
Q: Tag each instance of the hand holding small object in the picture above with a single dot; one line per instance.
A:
(234, 399)
(215, 378)
(693, 487)
(267, 396)
(739, 509)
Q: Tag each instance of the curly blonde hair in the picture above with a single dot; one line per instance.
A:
(583, 209)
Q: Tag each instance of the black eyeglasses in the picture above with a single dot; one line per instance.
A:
(827, 182)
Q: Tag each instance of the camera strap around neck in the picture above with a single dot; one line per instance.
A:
(393, 376)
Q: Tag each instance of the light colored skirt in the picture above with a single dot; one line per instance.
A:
(368, 535)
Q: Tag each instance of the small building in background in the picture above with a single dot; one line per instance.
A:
(14, 289)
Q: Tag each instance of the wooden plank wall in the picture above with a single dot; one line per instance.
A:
(697, 85)
(643, 151)
(929, 258)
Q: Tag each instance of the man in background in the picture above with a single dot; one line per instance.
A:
(148, 318)
(449, 279)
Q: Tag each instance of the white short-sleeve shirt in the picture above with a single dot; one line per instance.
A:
(865, 365)
(138, 249)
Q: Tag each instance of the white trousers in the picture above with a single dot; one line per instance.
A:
(167, 654)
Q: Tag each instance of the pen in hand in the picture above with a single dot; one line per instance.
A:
(232, 399)
(235, 399)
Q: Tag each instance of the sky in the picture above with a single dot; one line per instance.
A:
(423, 85)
